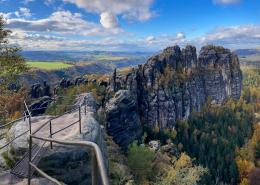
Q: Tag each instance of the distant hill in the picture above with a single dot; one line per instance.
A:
(85, 56)
(249, 57)
(247, 52)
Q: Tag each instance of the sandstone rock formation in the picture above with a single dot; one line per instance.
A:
(174, 83)
(123, 121)
(38, 90)
(40, 105)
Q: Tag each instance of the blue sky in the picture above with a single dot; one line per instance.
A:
(135, 25)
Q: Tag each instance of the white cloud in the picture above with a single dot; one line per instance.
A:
(244, 36)
(31, 41)
(60, 22)
(6, 15)
(180, 35)
(162, 41)
(130, 9)
(234, 37)
(21, 13)
(108, 20)
(25, 12)
(150, 39)
(226, 2)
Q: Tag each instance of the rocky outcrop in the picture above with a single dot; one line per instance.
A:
(176, 82)
(38, 90)
(40, 105)
(123, 121)
(221, 73)
(80, 81)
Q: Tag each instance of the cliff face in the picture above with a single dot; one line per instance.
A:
(176, 82)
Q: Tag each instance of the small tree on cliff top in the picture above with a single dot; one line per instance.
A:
(11, 65)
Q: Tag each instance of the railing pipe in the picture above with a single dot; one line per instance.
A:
(12, 122)
(30, 121)
(64, 128)
(51, 132)
(30, 124)
(8, 143)
(80, 119)
(44, 174)
(30, 160)
(94, 146)
(94, 168)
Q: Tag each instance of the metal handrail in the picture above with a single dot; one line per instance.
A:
(97, 158)
(47, 122)
(12, 122)
(64, 128)
(26, 107)
(44, 174)
(8, 143)
(29, 111)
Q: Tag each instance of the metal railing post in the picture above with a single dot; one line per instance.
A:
(24, 111)
(30, 124)
(51, 133)
(79, 119)
(94, 169)
(29, 160)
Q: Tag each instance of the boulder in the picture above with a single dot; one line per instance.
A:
(123, 122)
(154, 145)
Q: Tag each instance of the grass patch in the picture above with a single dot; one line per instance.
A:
(48, 65)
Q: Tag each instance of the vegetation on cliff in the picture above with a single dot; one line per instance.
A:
(66, 97)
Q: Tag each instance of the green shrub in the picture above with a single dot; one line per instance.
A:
(140, 162)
